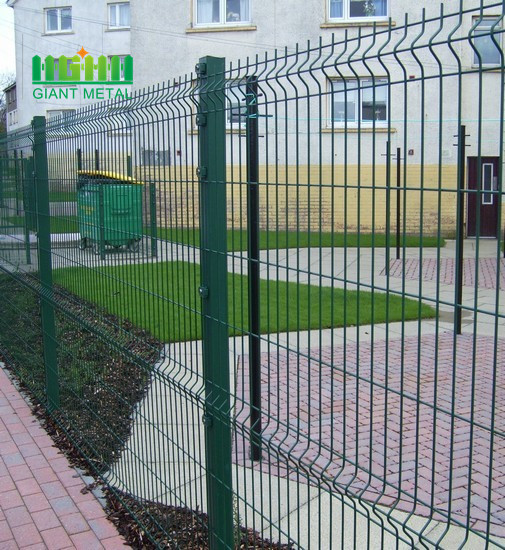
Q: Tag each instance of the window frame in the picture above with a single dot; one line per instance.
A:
(358, 90)
(60, 111)
(476, 22)
(59, 30)
(487, 197)
(230, 97)
(222, 17)
(346, 15)
(116, 6)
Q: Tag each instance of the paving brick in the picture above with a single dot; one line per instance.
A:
(5, 531)
(86, 541)
(36, 502)
(26, 535)
(103, 528)
(74, 523)
(36, 462)
(10, 499)
(18, 516)
(14, 459)
(28, 487)
(6, 484)
(91, 509)
(30, 449)
(46, 519)
(56, 538)
(114, 543)
(75, 491)
(59, 464)
(53, 489)
(63, 506)
(20, 472)
(45, 475)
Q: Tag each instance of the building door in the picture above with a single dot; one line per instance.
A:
(488, 203)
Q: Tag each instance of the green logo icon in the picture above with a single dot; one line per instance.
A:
(71, 70)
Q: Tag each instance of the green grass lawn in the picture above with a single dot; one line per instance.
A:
(62, 196)
(237, 239)
(54, 196)
(59, 224)
(163, 299)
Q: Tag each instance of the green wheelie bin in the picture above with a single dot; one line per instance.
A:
(109, 210)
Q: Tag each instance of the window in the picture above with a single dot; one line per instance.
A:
(222, 12)
(359, 101)
(236, 107)
(488, 183)
(12, 117)
(358, 9)
(64, 116)
(483, 42)
(119, 15)
(58, 19)
(151, 157)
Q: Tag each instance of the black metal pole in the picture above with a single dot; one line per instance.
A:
(97, 160)
(460, 228)
(253, 265)
(398, 199)
(388, 206)
(79, 159)
(129, 166)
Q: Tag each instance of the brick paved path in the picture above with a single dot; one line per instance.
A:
(487, 271)
(317, 415)
(41, 504)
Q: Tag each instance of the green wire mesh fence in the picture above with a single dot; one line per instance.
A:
(263, 301)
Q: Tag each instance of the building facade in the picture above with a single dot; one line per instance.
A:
(362, 109)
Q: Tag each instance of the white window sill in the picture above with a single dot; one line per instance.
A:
(222, 28)
(491, 68)
(116, 29)
(57, 33)
(230, 131)
(356, 130)
(333, 24)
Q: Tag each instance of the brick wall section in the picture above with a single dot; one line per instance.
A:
(320, 199)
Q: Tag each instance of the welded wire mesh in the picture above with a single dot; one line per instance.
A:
(276, 287)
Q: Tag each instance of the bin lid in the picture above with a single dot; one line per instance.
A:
(110, 175)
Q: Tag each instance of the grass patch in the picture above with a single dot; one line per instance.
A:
(163, 299)
(59, 224)
(54, 196)
(237, 239)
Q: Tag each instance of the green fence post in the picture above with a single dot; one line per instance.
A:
(101, 228)
(1, 182)
(213, 290)
(26, 175)
(16, 182)
(152, 215)
(44, 258)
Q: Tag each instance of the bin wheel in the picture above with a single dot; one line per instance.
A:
(134, 246)
(83, 243)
